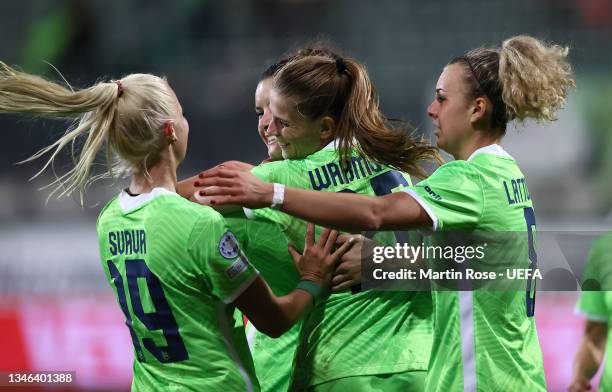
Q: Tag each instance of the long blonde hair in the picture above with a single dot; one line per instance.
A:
(124, 117)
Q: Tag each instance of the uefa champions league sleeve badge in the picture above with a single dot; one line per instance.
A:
(228, 246)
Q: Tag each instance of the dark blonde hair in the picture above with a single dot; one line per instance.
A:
(341, 88)
(124, 117)
(525, 78)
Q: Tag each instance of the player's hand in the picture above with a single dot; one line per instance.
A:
(197, 185)
(186, 188)
(231, 186)
(223, 209)
(318, 261)
(348, 269)
(580, 385)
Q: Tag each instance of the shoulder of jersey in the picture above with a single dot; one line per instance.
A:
(458, 166)
(188, 210)
(274, 165)
(197, 209)
(111, 203)
(264, 168)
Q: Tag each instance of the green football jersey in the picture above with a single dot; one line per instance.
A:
(366, 333)
(175, 268)
(597, 305)
(483, 340)
(266, 248)
(273, 357)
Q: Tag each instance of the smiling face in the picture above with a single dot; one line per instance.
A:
(296, 135)
(451, 111)
(262, 109)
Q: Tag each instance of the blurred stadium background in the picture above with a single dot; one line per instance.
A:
(56, 309)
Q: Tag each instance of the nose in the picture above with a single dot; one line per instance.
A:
(432, 110)
(272, 128)
(264, 121)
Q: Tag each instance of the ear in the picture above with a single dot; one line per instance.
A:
(479, 109)
(169, 131)
(328, 127)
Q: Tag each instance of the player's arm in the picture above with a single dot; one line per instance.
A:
(590, 355)
(354, 212)
(274, 315)
(350, 212)
(187, 188)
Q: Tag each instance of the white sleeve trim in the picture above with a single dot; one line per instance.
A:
(426, 207)
(240, 289)
(251, 334)
(590, 316)
(248, 213)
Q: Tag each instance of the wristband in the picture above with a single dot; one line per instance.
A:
(278, 197)
(314, 289)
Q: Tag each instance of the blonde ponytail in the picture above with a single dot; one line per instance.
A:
(525, 78)
(126, 125)
(535, 77)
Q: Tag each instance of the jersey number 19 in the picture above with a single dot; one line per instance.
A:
(162, 318)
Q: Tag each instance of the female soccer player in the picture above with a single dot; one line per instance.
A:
(482, 340)
(265, 245)
(352, 341)
(176, 269)
(273, 358)
(595, 307)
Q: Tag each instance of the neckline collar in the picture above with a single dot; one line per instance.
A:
(128, 203)
(334, 143)
(494, 149)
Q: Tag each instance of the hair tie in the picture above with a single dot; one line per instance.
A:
(119, 88)
(341, 65)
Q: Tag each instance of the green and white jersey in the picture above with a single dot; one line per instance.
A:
(273, 357)
(483, 340)
(366, 333)
(175, 268)
(597, 305)
(266, 248)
